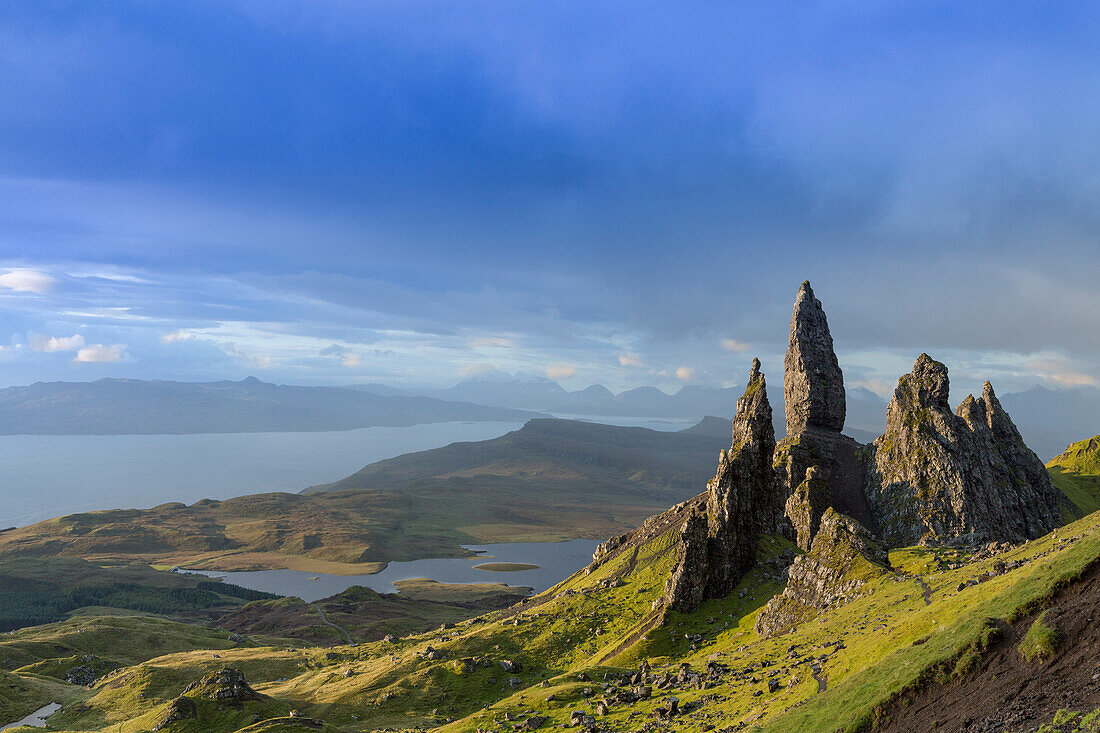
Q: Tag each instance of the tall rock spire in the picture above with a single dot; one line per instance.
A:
(717, 544)
(813, 385)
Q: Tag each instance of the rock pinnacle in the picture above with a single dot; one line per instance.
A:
(813, 385)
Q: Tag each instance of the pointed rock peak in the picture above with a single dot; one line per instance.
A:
(926, 386)
(813, 384)
(753, 421)
(989, 397)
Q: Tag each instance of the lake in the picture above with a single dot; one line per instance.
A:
(44, 476)
(555, 560)
(37, 719)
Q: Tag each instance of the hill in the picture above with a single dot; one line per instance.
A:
(130, 406)
(1076, 473)
(551, 480)
(588, 459)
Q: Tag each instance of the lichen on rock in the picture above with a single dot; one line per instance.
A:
(806, 505)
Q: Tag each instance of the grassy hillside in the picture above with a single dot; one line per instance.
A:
(36, 591)
(570, 648)
(1076, 473)
(552, 480)
(364, 615)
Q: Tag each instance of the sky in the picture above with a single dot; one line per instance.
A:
(628, 193)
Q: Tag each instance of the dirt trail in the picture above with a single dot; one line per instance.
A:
(325, 620)
(1007, 693)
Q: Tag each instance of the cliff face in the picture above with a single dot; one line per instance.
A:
(741, 503)
(940, 477)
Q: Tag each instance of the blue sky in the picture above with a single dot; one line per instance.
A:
(629, 193)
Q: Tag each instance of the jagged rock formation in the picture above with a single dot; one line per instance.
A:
(941, 477)
(935, 476)
(806, 506)
(844, 556)
(741, 503)
(686, 586)
(813, 385)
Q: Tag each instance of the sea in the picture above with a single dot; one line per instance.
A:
(44, 476)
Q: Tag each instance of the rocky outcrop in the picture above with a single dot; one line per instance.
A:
(806, 506)
(226, 685)
(180, 709)
(843, 558)
(717, 548)
(813, 385)
(686, 586)
(941, 477)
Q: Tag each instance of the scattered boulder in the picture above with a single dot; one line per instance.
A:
(534, 722)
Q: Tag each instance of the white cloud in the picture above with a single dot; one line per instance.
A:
(734, 345)
(475, 370)
(53, 344)
(1061, 373)
(101, 353)
(685, 373)
(352, 360)
(499, 342)
(561, 371)
(630, 360)
(176, 337)
(26, 281)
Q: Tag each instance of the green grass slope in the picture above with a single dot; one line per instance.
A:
(1076, 473)
(564, 650)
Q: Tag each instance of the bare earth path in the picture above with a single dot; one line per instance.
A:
(341, 629)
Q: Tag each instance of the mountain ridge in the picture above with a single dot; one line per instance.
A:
(131, 406)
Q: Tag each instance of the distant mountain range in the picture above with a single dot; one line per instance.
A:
(130, 406)
(866, 410)
(1048, 419)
